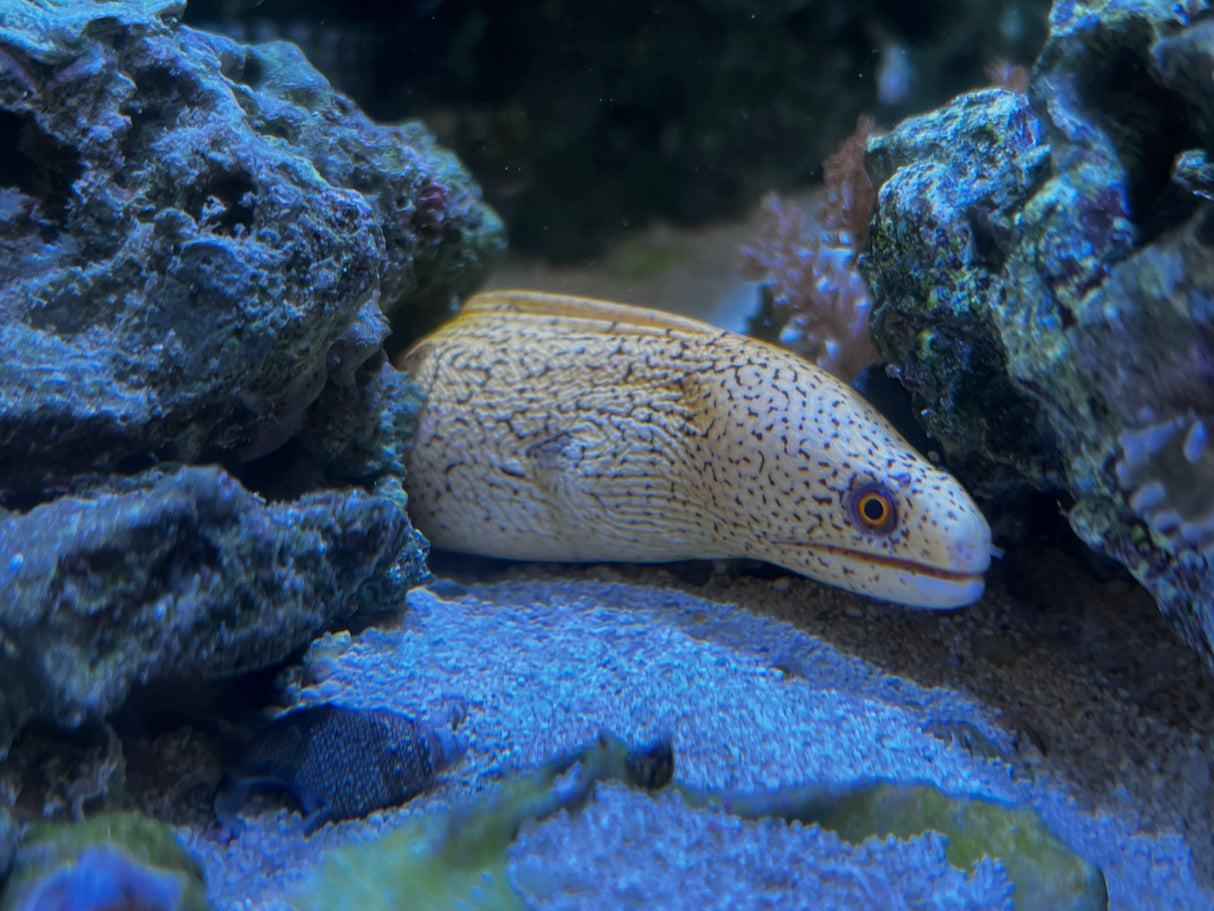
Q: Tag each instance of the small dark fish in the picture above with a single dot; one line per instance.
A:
(651, 766)
(339, 762)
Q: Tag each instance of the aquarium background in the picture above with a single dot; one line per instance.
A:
(233, 675)
(685, 111)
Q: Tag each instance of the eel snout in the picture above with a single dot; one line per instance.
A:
(920, 555)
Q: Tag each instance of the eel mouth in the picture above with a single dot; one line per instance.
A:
(974, 574)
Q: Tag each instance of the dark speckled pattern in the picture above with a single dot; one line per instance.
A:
(338, 762)
(562, 428)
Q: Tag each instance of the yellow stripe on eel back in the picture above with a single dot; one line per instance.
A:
(559, 428)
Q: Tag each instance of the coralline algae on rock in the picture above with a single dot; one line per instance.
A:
(191, 231)
(1043, 284)
(115, 860)
(200, 246)
(186, 576)
(951, 186)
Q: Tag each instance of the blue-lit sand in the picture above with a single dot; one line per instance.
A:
(542, 666)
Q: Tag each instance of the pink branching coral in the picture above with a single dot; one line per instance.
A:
(1011, 77)
(809, 263)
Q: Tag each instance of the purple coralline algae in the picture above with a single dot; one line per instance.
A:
(202, 250)
(1042, 275)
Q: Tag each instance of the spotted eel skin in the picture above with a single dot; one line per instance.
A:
(560, 428)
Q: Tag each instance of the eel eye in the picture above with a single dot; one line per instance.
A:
(872, 508)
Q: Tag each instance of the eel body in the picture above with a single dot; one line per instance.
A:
(560, 428)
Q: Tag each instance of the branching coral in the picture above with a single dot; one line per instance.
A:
(809, 263)
(1011, 77)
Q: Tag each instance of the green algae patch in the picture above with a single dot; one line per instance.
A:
(458, 859)
(1047, 875)
(1045, 872)
(141, 859)
(411, 869)
(639, 260)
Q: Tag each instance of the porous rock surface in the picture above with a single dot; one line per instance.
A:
(186, 574)
(1042, 279)
(201, 244)
(190, 226)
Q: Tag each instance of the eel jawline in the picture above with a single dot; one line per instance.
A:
(910, 566)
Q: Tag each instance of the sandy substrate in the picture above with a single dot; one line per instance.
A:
(1058, 690)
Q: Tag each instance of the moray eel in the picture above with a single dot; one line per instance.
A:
(338, 762)
(567, 429)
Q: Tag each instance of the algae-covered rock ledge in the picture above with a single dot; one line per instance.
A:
(1041, 271)
(202, 250)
